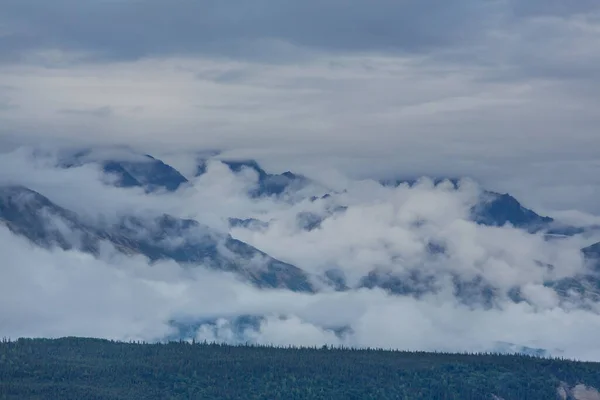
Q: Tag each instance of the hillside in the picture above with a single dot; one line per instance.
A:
(73, 368)
(29, 214)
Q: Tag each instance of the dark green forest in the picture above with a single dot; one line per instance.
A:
(74, 368)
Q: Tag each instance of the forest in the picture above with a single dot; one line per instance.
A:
(95, 369)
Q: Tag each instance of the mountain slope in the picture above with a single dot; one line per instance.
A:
(267, 184)
(495, 209)
(593, 251)
(130, 169)
(29, 214)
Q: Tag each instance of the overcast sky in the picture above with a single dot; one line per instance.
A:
(506, 91)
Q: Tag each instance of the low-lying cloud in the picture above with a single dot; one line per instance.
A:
(52, 292)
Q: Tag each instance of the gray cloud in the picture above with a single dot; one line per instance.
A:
(7, 106)
(6, 103)
(101, 112)
(503, 91)
(133, 29)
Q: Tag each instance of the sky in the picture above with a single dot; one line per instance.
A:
(503, 91)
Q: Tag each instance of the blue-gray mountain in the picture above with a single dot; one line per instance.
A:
(142, 170)
(494, 209)
(131, 170)
(499, 209)
(267, 184)
(593, 251)
(188, 242)
(30, 214)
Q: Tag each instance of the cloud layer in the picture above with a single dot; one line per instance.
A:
(51, 292)
(498, 90)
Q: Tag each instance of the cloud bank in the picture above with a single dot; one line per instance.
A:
(502, 91)
(366, 227)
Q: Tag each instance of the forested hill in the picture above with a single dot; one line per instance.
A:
(73, 368)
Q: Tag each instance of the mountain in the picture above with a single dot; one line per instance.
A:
(592, 257)
(248, 223)
(161, 237)
(593, 251)
(495, 209)
(413, 282)
(499, 209)
(142, 170)
(130, 169)
(30, 214)
(413, 181)
(586, 284)
(267, 184)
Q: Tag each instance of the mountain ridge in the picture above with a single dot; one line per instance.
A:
(32, 215)
(135, 235)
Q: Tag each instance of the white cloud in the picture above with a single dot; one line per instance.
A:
(57, 293)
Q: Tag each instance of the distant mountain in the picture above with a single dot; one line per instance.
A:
(413, 181)
(511, 348)
(475, 291)
(159, 237)
(587, 284)
(248, 223)
(268, 184)
(130, 169)
(415, 283)
(593, 251)
(141, 170)
(592, 256)
(30, 214)
(309, 221)
(493, 209)
(496, 209)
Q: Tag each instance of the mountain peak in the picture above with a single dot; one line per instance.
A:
(493, 209)
(413, 181)
(267, 184)
(131, 169)
(497, 209)
(592, 251)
